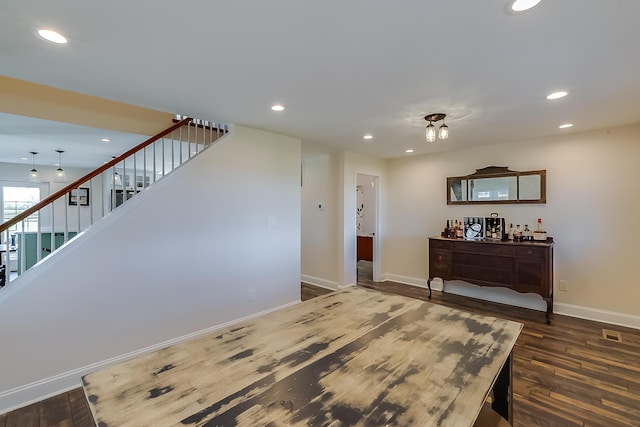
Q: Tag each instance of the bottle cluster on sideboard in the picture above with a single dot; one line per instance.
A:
(492, 228)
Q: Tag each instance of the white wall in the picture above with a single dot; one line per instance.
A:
(329, 236)
(592, 206)
(353, 164)
(319, 262)
(217, 240)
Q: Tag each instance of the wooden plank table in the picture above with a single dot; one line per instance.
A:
(353, 357)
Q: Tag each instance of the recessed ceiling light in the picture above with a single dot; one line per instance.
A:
(557, 95)
(367, 136)
(410, 150)
(105, 140)
(24, 158)
(52, 36)
(277, 107)
(522, 5)
(565, 126)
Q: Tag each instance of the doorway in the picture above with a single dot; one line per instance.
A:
(366, 226)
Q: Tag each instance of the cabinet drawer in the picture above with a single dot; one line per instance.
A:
(492, 261)
(483, 248)
(439, 264)
(483, 276)
(439, 244)
(523, 251)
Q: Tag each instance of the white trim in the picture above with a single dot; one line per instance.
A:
(317, 281)
(34, 392)
(587, 313)
(406, 280)
(597, 315)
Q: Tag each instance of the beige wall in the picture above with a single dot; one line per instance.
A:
(319, 235)
(591, 211)
(328, 249)
(353, 164)
(45, 102)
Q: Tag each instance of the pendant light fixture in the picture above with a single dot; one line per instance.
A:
(33, 173)
(60, 175)
(443, 131)
(431, 132)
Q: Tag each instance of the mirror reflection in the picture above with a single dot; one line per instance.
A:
(497, 185)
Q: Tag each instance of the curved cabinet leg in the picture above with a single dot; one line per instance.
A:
(429, 286)
(549, 302)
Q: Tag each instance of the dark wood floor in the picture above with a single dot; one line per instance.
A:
(64, 410)
(565, 374)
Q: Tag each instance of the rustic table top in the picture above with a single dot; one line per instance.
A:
(353, 357)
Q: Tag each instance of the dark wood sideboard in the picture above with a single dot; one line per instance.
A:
(525, 267)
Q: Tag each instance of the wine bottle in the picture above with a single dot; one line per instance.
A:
(517, 235)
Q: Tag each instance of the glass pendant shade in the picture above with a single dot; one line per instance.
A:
(33, 173)
(60, 175)
(431, 132)
(444, 132)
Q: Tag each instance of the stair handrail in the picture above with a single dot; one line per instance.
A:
(76, 184)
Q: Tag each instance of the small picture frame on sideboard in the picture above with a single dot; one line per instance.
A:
(79, 195)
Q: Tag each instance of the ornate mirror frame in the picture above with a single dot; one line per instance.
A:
(498, 185)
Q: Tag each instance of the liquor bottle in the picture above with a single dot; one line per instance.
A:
(510, 232)
(539, 234)
(517, 235)
(459, 230)
(526, 234)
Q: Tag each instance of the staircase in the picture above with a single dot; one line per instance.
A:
(65, 214)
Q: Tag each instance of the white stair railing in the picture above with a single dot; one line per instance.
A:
(71, 210)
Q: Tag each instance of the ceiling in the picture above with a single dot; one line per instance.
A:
(82, 145)
(343, 68)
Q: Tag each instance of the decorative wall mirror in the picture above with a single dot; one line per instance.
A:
(497, 185)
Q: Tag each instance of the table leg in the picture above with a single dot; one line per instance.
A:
(503, 391)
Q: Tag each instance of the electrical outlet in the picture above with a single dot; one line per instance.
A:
(251, 294)
(563, 285)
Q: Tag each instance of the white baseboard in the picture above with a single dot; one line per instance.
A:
(530, 301)
(317, 281)
(611, 317)
(406, 280)
(34, 392)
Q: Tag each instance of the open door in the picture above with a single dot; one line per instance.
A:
(366, 225)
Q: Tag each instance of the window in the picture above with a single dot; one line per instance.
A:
(16, 200)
